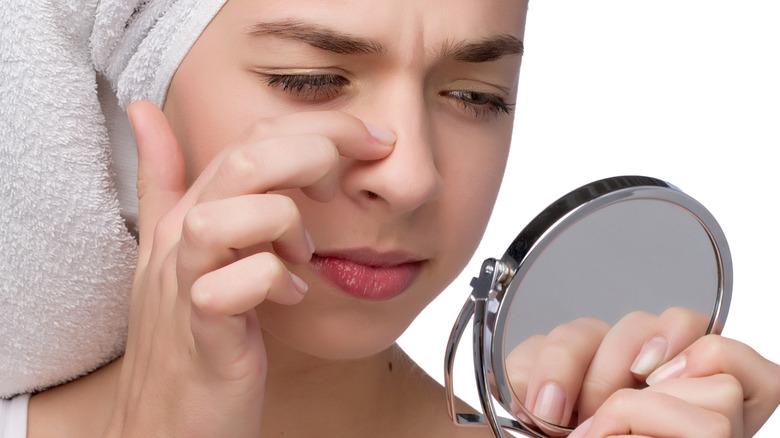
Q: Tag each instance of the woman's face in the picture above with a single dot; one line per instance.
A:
(440, 74)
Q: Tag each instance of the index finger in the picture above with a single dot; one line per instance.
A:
(353, 137)
(269, 154)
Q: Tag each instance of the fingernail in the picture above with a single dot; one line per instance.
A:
(550, 403)
(520, 415)
(299, 284)
(650, 356)
(309, 242)
(384, 135)
(673, 368)
(582, 429)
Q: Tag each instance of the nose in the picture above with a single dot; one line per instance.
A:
(408, 177)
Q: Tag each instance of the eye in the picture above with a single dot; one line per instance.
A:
(308, 87)
(481, 104)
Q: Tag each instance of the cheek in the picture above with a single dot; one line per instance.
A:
(472, 161)
(211, 102)
(472, 168)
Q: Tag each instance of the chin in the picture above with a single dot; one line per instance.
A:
(338, 334)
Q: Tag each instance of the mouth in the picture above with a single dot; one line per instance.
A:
(367, 274)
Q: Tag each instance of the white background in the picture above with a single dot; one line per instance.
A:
(687, 91)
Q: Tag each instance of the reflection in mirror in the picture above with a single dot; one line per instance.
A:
(635, 255)
(581, 291)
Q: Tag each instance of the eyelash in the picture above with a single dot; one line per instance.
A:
(482, 104)
(308, 87)
(327, 86)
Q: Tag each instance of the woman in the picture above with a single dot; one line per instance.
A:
(387, 125)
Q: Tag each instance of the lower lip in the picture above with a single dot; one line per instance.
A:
(375, 283)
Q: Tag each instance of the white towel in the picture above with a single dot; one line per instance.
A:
(66, 254)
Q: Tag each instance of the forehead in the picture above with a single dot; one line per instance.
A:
(398, 24)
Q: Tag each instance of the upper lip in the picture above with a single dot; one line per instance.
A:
(372, 257)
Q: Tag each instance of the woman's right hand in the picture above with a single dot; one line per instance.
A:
(195, 363)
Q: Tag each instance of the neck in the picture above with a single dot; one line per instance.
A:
(335, 397)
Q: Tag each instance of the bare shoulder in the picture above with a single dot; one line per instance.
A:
(425, 410)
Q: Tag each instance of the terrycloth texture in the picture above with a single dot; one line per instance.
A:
(139, 45)
(66, 255)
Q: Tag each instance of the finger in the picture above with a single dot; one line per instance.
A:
(217, 233)
(519, 367)
(354, 138)
(274, 164)
(609, 370)
(560, 367)
(656, 414)
(161, 175)
(675, 330)
(713, 354)
(243, 285)
(718, 393)
(269, 148)
(223, 321)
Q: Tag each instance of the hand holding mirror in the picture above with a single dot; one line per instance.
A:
(580, 293)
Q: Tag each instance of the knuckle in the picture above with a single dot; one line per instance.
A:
(618, 403)
(197, 228)
(261, 128)
(287, 215)
(563, 352)
(273, 268)
(683, 320)
(240, 164)
(202, 301)
(718, 426)
(711, 348)
(730, 389)
(638, 318)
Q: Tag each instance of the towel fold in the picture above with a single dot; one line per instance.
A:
(67, 256)
(139, 45)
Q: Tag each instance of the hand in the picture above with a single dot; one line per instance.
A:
(573, 370)
(716, 388)
(195, 362)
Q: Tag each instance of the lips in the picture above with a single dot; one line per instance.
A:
(367, 274)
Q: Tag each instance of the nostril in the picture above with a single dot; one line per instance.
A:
(371, 195)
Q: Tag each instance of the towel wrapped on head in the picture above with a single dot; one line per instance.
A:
(67, 173)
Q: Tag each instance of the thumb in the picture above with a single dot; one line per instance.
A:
(161, 173)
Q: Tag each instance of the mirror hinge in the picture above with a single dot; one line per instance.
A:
(493, 278)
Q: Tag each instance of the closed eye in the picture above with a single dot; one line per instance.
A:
(308, 86)
(481, 104)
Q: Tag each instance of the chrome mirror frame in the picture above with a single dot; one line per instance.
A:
(490, 298)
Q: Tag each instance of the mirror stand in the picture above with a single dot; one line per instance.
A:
(485, 288)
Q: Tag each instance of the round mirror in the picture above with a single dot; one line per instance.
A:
(590, 280)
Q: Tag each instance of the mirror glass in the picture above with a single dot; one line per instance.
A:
(600, 277)
(639, 255)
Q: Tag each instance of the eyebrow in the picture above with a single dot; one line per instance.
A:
(321, 37)
(489, 49)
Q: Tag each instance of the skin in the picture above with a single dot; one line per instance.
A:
(219, 327)
(232, 333)
(424, 205)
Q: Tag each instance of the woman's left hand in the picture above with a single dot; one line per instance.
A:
(716, 388)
